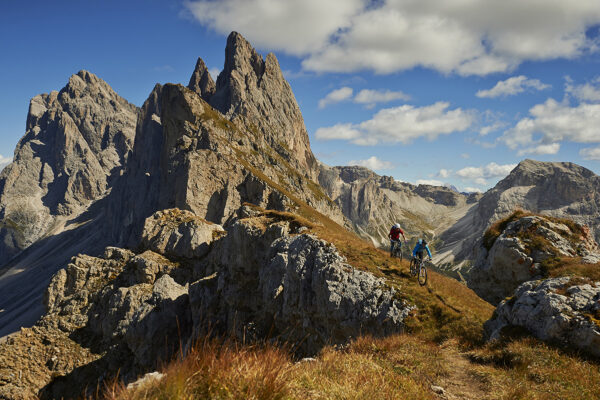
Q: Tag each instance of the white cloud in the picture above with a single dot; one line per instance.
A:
(214, 73)
(469, 189)
(371, 97)
(512, 86)
(589, 92)
(551, 148)
(552, 122)
(373, 163)
(431, 182)
(402, 124)
(4, 161)
(444, 173)
(278, 25)
(338, 131)
(336, 96)
(480, 175)
(465, 156)
(591, 153)
(471, 37)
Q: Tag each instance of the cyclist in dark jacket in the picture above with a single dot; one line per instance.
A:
(394, 236)
(418, 251)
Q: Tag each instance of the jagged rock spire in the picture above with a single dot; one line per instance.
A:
(201, 82)
(253, 90)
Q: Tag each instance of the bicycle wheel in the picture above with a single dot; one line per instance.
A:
(413, 267)
(422, 275)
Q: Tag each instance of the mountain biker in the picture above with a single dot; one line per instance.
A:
(418, 251)
(394, 236)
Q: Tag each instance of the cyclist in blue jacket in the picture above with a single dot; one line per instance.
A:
(418, 251)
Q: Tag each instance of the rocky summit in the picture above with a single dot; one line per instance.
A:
(108, 166)
(558, 189)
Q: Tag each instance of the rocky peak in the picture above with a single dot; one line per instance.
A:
(201, 82)
(75, 142)
(253, 91)
(559, 189)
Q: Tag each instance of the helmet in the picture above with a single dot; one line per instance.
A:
(424, 242)
(397, 226)
(420, 241)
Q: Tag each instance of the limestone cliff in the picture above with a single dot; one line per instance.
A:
(373, 203)
(92, 168)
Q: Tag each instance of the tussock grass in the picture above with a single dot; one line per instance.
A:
(214, 370)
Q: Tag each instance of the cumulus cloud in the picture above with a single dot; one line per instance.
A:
(588, 92)
(336, 96)
(373, 163)
(591, 153)
(480, 175)
(444, 173)
(432, 182)
(552, 122)
(402, 124)
(4, 161)
(371, 97)
(512, 86)
(474, 37)
(278, 25)
(541, 149)
(338, 131)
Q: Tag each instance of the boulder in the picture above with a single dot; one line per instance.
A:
(560, 310)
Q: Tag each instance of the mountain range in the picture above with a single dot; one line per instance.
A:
(105, 200)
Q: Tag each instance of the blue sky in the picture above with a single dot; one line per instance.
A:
(436, 91)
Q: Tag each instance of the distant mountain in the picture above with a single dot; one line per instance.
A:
(373, 203)
(559, 189)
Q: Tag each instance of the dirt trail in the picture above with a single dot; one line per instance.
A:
(462, 381)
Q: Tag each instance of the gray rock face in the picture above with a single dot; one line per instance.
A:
(254, 91)
(76, 141)
(557, 310)
(179, 234)
(185, 154)
(262, 279)
(207, 165)
(201, 82)
(518, 253)
(298, 288)
(374, 203)
(564, 190)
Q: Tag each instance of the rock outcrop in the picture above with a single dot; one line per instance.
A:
(522, 252)
(127, 311)
(302, 290)
(558, 189)
(75, 143)
(185, 154)
(373, 203)
(565, 311)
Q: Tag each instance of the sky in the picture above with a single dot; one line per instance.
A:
(441, 92)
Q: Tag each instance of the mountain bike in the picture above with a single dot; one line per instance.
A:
(396, 250)
(418, 269)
